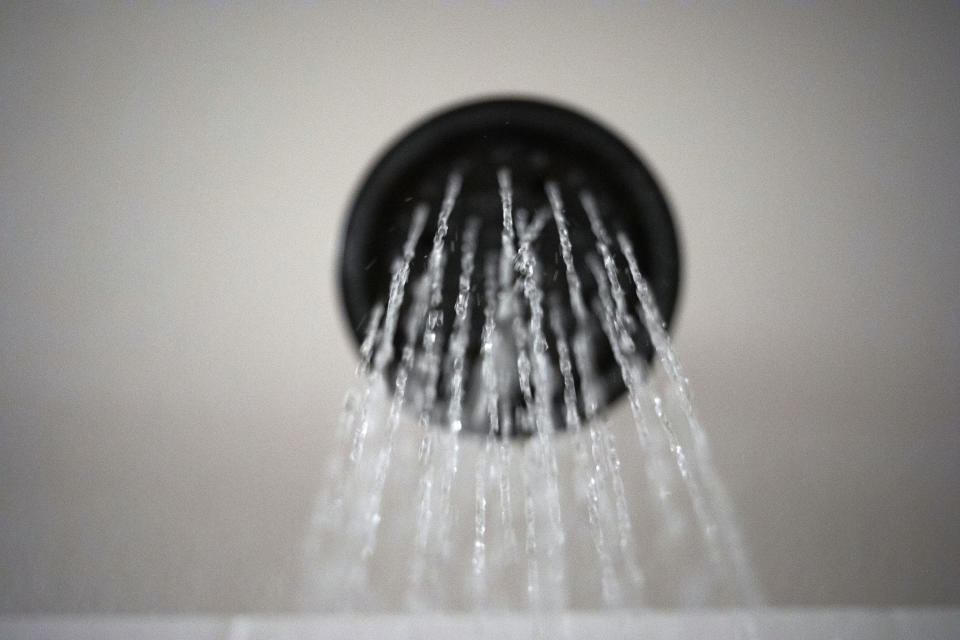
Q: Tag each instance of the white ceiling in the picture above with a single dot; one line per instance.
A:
(172, 183)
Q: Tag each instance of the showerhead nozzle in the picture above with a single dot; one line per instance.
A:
(548, 157)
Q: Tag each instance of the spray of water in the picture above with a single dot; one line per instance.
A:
(542, 515)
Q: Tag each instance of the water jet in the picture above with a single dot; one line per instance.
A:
(509, 268)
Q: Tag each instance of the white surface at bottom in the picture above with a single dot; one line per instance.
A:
(779, 624)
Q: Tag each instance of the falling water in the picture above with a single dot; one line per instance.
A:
(541, 517)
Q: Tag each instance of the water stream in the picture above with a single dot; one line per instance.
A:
(488, 475)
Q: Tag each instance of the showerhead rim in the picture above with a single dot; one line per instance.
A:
(508, 115)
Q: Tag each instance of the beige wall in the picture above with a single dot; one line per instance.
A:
(172, 353)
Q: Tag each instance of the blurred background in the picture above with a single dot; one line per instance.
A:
(173, 356)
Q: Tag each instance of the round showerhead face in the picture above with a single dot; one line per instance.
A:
(539, 146)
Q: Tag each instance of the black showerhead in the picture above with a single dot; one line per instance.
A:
(537, 144)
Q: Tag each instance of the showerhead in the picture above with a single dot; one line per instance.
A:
(535, 150)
